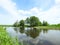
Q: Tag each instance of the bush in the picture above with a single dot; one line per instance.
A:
(5, 39)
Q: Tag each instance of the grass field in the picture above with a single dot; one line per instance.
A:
(48, 27)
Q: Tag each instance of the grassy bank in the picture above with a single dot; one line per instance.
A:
(5, 39)
(48, 27)
(6, 25)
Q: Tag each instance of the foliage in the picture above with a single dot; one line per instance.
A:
(45, 23)
(40, 24)
(16, 24)
(5, 39)
(27, 20)
(34, 21)
(21, 23)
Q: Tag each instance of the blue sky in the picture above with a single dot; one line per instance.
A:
(28, 4)
(13, 10)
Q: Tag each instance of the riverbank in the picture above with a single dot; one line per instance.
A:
(6, 39)
(6, 25)
(38, 27)
(48, 27)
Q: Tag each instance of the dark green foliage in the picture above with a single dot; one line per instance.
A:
(34, 21)
(30, 22)
(40, 24)
(27, 20)
(58, 24)
(22, 23)
(45, 23)
(16, 24)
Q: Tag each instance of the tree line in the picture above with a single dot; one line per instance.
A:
(31, 22)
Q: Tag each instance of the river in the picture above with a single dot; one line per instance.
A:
(28, 36)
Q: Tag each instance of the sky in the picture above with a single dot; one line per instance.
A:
(13, 10)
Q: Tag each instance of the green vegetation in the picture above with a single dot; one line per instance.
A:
(45, 23)
(22, 23)
(6, 25)
(5, 39)
(31, 22)
(35, 22)
(48, 27)
(27, 20)
(16, 24)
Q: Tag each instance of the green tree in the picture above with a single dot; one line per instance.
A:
(27, 20)
(34, 21)
(40, 24)
(45, 23)
(16, 24)
(22, 23)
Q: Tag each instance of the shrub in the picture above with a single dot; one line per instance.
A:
(5, 39)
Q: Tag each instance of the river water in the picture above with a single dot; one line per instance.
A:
(29, 36)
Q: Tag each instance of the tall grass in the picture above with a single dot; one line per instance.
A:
(5, 39)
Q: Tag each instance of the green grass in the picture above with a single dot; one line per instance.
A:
(6, 25)
(48, 27)
(5, 39)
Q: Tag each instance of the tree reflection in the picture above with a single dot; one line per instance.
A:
(33, 32)
(16, 29)
(21, 29)
(45, 30)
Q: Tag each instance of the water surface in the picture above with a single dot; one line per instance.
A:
(29, 36)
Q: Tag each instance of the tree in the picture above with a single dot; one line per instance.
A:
(22, 23)
(40, 24)
(16, 24)
(27, 20)
(34, 21)
(45, 23)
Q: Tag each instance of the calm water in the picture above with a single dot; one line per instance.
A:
(28, 36)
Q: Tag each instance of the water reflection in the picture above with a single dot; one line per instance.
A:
(21, 29)
(33, 32)
(15, 28)
(45, 30)
(33, 36)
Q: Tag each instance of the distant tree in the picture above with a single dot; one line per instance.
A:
(15, 24)
(45, 23)
(58, 24)
(21, 23)
(34, 21)
(40, 24)
(27, 20)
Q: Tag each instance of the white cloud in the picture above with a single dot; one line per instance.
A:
(57, 1)
(10, 7)
(6, 19)
(51, 15)
(12, 12)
